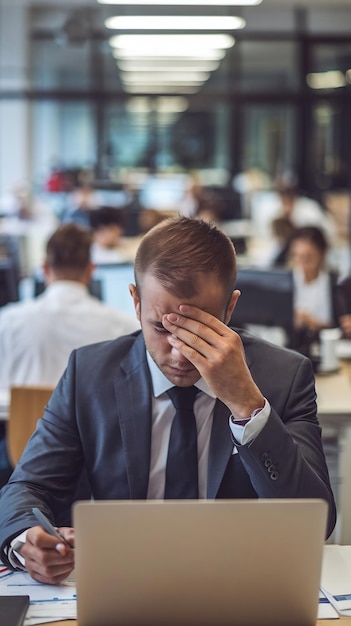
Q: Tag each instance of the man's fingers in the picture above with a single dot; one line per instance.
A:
(48, 577)
(68, 534)
(191, 332)
(196, 320)
(46, 558)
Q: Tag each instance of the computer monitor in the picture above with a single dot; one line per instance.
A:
(115, 279)
(266, 298)
(109, 283)
(163, 193)
(8, 282)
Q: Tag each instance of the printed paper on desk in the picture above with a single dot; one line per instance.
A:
(325, 609)
(20, 583)
(336, 577)
(44, 612)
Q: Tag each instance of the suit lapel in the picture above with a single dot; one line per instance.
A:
(134, 409)
(221, 448)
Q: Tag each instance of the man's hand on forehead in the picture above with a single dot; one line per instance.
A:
(217, 353)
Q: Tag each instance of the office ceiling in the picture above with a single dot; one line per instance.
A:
(73, 21)
(282, 3)
(264, 16)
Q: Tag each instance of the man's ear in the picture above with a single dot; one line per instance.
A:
(48, 273)
(232, 304)
(134, 293)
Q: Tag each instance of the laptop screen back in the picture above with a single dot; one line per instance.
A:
(208, 563)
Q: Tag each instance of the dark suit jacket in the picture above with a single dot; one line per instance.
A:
(99, 418)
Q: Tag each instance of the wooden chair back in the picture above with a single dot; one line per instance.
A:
(26, 407)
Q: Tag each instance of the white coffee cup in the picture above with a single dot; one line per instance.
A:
(329, 338)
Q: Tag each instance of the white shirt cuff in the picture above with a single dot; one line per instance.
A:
(15, 558)
(247, 433)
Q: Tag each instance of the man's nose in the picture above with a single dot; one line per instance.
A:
(178, 355)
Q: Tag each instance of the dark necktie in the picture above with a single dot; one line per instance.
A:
(182, 468)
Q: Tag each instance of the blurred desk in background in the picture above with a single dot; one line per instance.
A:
(32, 236)
(334, 414)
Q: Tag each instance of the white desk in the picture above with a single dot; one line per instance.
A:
(334, 558)
(334, 413)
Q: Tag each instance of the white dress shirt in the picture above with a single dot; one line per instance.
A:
(162, 416)
(38, 335)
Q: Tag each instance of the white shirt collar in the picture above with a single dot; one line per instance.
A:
(161, 384)
(73, 286)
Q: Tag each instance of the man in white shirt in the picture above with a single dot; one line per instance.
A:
(38, 335)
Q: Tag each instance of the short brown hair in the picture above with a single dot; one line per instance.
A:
(313, 235)
(68, 250)
(178, 249)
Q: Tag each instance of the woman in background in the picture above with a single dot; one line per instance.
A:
(314, 285)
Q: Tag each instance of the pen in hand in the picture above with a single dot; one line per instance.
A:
(46, 524)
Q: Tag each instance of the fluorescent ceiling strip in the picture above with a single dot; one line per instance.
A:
(172, 105)
(171, 42)
(168, 104)
(159, 64)
(165, 77)
(128, 80)
(326, 80)
(175, 65)
(161, 89)
(194, 3)
(175, 22)
(204, 55)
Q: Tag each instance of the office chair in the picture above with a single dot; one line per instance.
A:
(26, 407)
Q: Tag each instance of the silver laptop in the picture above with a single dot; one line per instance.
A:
(203, 562)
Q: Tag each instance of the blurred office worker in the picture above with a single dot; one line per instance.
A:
(250, 426)
(314, 283)
(108, 225)
(37, 335)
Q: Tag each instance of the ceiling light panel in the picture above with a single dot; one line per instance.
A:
(175, 22)
(150, 43)
(159, 77)
(182, 89)
(194, 3)
(326, 80)
(166, 56)
(173, 65)
(167, 104)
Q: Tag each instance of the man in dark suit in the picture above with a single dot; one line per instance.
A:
(255, 410)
